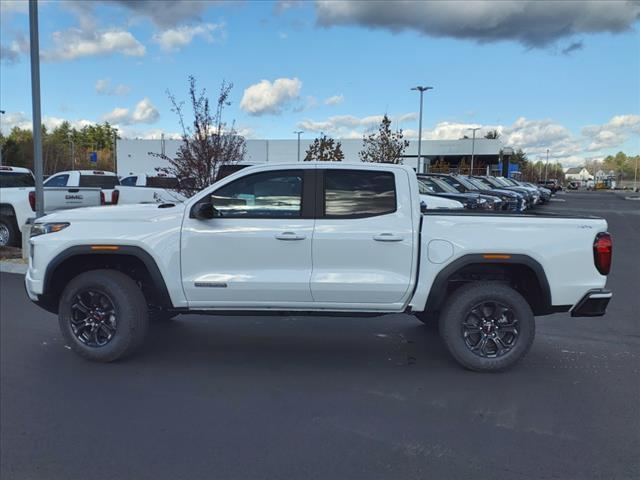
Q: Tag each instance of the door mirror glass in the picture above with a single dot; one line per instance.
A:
(204, 211)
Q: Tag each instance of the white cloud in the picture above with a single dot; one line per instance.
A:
(173, 39)
(613, 133)
(165, 14)
(350, 126)
(532, 23)
(334, 100)
(144, 112)
(10, 54)
(76, 43)
(266, 97)
(20, 120)
(103, 87)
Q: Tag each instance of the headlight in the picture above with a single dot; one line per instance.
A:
(42, 228)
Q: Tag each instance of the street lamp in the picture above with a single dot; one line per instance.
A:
(421, 90)
(298, 132)
(2, 112)
(546, 165)
(473, 147)
(34, 45)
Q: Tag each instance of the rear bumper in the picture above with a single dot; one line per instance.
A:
(593, 304)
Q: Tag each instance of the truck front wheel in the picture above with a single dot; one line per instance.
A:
(9, 233)
(103, 315)
(487, 327)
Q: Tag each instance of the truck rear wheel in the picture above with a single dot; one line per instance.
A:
(487, 327)
(103, 315)
(9, 233)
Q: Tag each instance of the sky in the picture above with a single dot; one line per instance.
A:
(563, 76)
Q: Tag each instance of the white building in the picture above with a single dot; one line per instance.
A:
(135, 155)
(577, 174)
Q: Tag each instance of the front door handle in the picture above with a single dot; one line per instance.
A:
(290, 236)
(388, 237)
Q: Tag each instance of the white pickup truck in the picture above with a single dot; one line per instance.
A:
(147, 188)
(106, 181)
(317, 237)
(17, 201)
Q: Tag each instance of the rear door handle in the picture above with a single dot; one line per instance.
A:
(388, 237)
(290, 236)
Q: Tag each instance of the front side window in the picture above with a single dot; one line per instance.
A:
(261, 195)
(359, 193)
(129, 181)
(58, 181)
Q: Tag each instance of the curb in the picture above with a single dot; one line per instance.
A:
(12, 267)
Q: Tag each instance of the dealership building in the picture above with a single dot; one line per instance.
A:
(136, 156)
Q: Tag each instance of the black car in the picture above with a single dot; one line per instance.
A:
(511, 201)
(472, 201)
(493, 183)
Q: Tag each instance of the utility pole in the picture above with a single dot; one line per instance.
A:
(546, 165)
(2, 112)
(35, 105)
(473, 147)
(298, 132)
(421, 90)
(73, 151)
(635, 175)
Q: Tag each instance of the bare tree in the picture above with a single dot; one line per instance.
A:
(385, 146)
(208, 144)
(324, 149)
(492, 134)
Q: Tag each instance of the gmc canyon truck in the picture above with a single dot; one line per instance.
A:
(335, 239)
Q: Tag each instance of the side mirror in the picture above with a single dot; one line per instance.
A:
(423, 207)
(204, 211)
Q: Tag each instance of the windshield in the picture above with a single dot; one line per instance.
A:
(489, 182)
(16, 179)
(501, 181)
(432, 185)
(444, 185)
(461, 183)
(424, 189)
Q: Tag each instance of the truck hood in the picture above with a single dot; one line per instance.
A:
(120, 213)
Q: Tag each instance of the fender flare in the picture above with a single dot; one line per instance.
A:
(438, 291)
(123, 250)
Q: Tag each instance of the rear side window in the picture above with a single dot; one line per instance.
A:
(101, 181)
(162, 182)
(129, 181)
(12, 179)
(58, 181)
(358, 193)
(261, 195)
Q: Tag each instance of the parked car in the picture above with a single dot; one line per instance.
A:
(106, 181)
(545, 193)
(552, 184)
(511, 201)
(147, 188)
(492, 182)
(316, 237)
(472, 201)
(511, 183)
(434, 202)
(18, 201)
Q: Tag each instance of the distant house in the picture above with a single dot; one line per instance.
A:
(577, 174)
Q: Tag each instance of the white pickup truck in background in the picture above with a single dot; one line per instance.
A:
(18, 201)
(106, 181)
(325, 237)
(147, 188)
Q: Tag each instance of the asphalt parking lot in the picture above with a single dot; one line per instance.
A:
(289, 398)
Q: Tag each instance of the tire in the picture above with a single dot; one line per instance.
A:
(121, 332)
(492, 313)
(9, 233)
(430, 319)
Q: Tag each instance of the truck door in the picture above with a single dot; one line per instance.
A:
(257, 252)
(363, 238)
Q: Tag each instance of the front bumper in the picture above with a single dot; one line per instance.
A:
(593, 304)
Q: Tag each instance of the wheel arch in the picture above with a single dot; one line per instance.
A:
(522, 272)
(131, 260)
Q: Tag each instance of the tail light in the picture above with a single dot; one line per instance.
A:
(32, 200)
(115, 196)
(602, 252)
(102, 200)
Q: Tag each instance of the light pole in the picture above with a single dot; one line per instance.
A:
(298, 132)
(421, 90)
(73, 151)
(635, 176)
(35, 105)
(1, 113)
(546, 165)
(473, 147)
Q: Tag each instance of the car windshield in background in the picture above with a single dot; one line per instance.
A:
(444, 185)
(423, 188)
(14, 179)
(101, 181)
(432, 185)
(162, 182)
